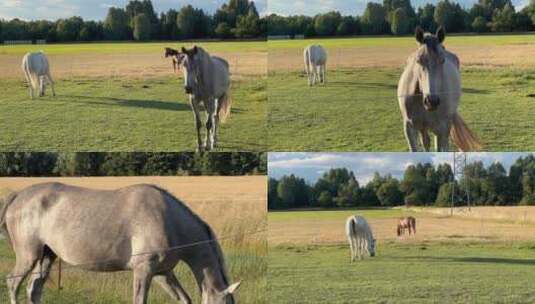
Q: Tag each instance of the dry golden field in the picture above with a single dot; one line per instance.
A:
(390, 52)
(218, 200)
(483, 224)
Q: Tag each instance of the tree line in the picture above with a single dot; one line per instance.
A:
(23, 164)
(139, 21)
(422, 184)
(399, 17)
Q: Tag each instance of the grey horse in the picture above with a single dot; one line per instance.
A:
(141, 228)
(37, 72)
(315, 58)
(429, 91)
(207, 81)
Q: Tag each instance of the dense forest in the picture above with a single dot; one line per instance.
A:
(421, 185)
(139, 21)
(16, 164)
(399, 17)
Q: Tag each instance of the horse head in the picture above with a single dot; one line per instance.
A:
(430, 58)
(371, 247)
(192, 71)
(221, 297)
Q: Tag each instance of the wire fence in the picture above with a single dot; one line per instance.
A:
(103, 263)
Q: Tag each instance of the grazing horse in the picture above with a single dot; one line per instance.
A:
(360, 237)
(37, 72)
(176, 57)
(406, 223)
(141, 228)
(207, 81)
(315, 60)
(428, 93)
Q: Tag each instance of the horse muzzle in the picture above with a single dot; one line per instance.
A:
(431, 102)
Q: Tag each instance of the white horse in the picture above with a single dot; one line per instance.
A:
(360, 237)
(429, 91)
(141, 228)
(315, 60)
(37, 72)
(207, 81)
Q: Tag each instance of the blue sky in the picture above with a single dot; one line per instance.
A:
(94, 9)
(312, 165)
(346, 7)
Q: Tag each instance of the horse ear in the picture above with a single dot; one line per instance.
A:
(441, 34)
(232, 288)
(419, 33)
(184, 50)
(195, 50)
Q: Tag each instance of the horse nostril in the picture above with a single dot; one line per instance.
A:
(187, 89)
(432, 101)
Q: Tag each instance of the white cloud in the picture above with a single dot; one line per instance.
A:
(312, 165)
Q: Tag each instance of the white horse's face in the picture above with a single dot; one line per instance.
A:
(430, 61)
(221, 297)
(190, 70)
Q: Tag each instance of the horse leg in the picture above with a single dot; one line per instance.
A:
(23, 266)
(426, 140)
(353, 246)
(170, 284)
(323, 80)
(30, 84)
(198, 124)
(210, 124)
(142, 279)
(442, 139)
(411, 135)
(40, 274)
(51, 81)
(42, 85)
(216, 121)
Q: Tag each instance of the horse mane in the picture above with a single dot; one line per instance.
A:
(213, 244)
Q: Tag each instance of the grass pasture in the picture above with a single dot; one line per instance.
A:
(450, 260)
(232, 212)
(125, 97)
(357, 110)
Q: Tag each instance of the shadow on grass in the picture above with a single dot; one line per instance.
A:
(526, 262)
(237, 145)
(475, 91)
(139, 103)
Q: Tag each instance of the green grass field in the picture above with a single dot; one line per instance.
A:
(124, 115)
(309, 260)
(111, 102)
(358, 110)
(128, 47)
(415, 273)
(247, 263)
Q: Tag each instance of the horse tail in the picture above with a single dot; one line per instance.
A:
(462, 136)
(224, 104)
(3, 224)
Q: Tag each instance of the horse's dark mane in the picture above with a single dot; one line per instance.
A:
(214, 245)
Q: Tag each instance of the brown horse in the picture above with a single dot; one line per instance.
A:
(406, 223)
(177, 57)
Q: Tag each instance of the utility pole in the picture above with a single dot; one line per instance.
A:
(459, 165)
